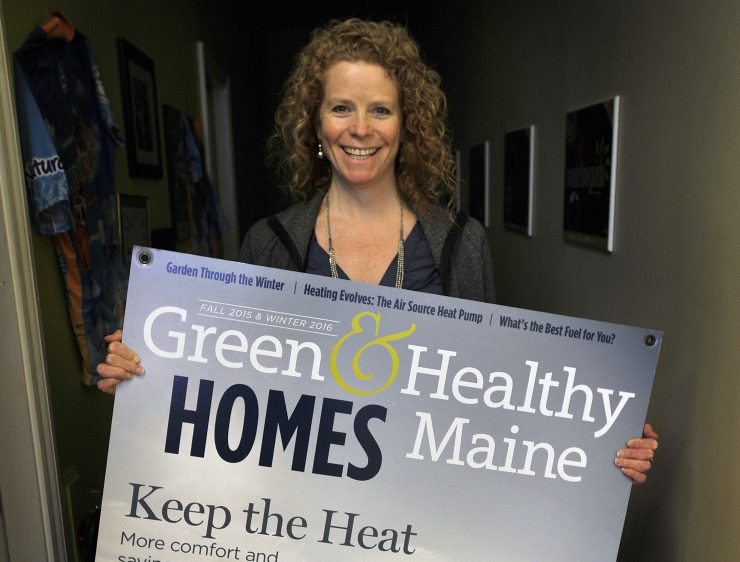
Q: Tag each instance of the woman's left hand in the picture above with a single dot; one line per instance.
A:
(637, 458)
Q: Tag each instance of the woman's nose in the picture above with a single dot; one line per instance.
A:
(360, 126)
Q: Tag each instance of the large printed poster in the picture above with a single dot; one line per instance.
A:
(296, 418)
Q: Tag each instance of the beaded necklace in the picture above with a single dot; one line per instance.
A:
(332, 258)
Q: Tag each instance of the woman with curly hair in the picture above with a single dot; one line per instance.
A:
(360, 139)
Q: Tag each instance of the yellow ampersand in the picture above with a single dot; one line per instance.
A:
(381, 341)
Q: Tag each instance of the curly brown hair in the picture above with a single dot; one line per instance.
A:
(424, 166)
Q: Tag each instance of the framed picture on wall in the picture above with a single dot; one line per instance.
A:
(519, 180)
(139, 92)
(590, 174)
(133, 224)
(480, 182)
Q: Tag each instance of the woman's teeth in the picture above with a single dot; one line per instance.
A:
(360, 151)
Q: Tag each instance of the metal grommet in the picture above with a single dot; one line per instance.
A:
(145, 257)
(650, 340)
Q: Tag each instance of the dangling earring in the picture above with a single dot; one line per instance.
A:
(321, 153)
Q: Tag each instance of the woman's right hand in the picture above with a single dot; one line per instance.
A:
(121, 364)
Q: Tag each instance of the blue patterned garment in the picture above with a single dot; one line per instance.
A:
(68, 137)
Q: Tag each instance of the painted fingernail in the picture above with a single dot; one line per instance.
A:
(620, 453)
(137, 358)
(616, 461)
(141, 370)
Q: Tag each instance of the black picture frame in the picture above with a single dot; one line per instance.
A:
(133, 224)
(519, 180)
(590, 183)
(479, 180)
(140, 111)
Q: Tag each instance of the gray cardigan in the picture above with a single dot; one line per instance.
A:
(460, 248)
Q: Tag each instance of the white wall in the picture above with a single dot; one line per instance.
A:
(676, 263)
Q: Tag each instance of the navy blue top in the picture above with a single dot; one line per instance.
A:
(421, 274)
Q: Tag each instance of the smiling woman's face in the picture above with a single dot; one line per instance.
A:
(360, 124)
